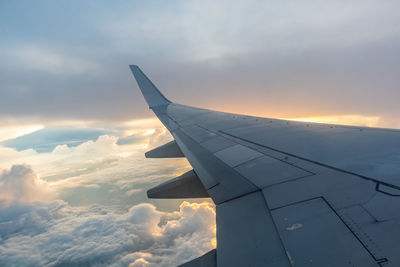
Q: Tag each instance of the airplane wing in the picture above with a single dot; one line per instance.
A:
(286, 193)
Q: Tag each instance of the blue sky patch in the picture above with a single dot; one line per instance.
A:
(47, 139)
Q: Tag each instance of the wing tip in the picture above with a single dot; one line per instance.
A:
(150, 92)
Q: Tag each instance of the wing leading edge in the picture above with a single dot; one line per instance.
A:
(289, 193)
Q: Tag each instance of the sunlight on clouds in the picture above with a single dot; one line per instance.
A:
(21, 184)
(143, 126)
(41, 229)
(356, 120)
(65, 159)
(149, 132)
(74, 123)
(57, 234)
(9, 156)
(104, 161)
(10, 132)
(143, 123)
(105, 170)
(139, 263)
(214, 240)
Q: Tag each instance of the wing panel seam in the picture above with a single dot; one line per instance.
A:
(315, 162)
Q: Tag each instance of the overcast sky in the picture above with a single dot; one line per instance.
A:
(68, 60)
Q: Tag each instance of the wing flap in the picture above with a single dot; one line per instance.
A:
(246, 235)
(207, 260)
(187, 185)
(168, 150)
(313, 235)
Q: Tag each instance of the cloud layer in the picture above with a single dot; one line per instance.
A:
(20, 184)
(109, 170)
(56, 234)
(53, 217)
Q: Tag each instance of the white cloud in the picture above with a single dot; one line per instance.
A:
(66, 161)
(56, 234)
(133, 191)
(102, 160)
(10, 132)
(104, 171)
(21, 184)
(10, 155)
(48, 60)
(38, 233)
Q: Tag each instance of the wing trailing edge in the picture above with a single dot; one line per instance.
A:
(207, 260)
(188, 185)
(168, 150)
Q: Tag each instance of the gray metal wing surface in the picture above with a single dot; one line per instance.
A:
(290, 193)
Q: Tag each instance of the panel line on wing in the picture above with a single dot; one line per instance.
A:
(315, 162)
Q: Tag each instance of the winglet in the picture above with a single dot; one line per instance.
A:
(150, 92)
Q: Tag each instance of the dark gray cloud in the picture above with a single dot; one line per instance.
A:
(68, 60)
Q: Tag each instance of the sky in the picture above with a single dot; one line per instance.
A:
(74, 126)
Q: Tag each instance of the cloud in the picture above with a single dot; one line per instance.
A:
(199, 33)
(355, 120)
(67, 161)
(20, 184)
(47, 60)
(101, 170)
(133, 191)
(55, 233)
(39, 229)
(14, 131)
(286, 58)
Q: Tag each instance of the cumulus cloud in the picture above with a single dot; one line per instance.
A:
(43, 224)
(102, 170)
(104, 160)
(132, 191)
(55, 233)
(21, 184)
(95, 159)
(66, 161)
